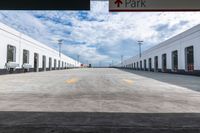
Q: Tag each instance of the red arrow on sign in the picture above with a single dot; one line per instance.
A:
(118, 2)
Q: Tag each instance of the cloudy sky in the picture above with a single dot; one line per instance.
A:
(97, 35)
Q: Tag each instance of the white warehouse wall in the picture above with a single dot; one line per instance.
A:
(188, 38)
(21, 41)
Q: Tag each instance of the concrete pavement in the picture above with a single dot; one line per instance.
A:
(93, 122)
(99, 101)
(100, 90)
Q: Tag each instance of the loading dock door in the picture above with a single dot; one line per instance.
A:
(164, 62)
(156, 63)
(44, 63)
(50, 64)
(189, 53)
(36, 62)
(175, 61)
(150, 66)
(59, 65)
(55, 64)
(145, 65)
(134, 65)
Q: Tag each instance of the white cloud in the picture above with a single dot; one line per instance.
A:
(88, 53)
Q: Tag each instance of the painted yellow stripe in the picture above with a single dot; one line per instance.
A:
(128, 81)
(72, 81)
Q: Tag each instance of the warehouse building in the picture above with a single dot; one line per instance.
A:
(180, 54)
(20, 53)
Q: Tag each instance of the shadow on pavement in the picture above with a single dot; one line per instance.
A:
(186, 81)
(85, 122)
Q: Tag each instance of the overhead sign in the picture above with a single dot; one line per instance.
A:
(154, 5)
(44, 4)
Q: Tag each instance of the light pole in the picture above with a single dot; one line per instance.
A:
(140, 49)
(122, 56)
(99, 63)
(78, 56)
(60, 44)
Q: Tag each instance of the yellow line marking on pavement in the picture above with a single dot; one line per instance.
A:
(72, 81)
(128, 81)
